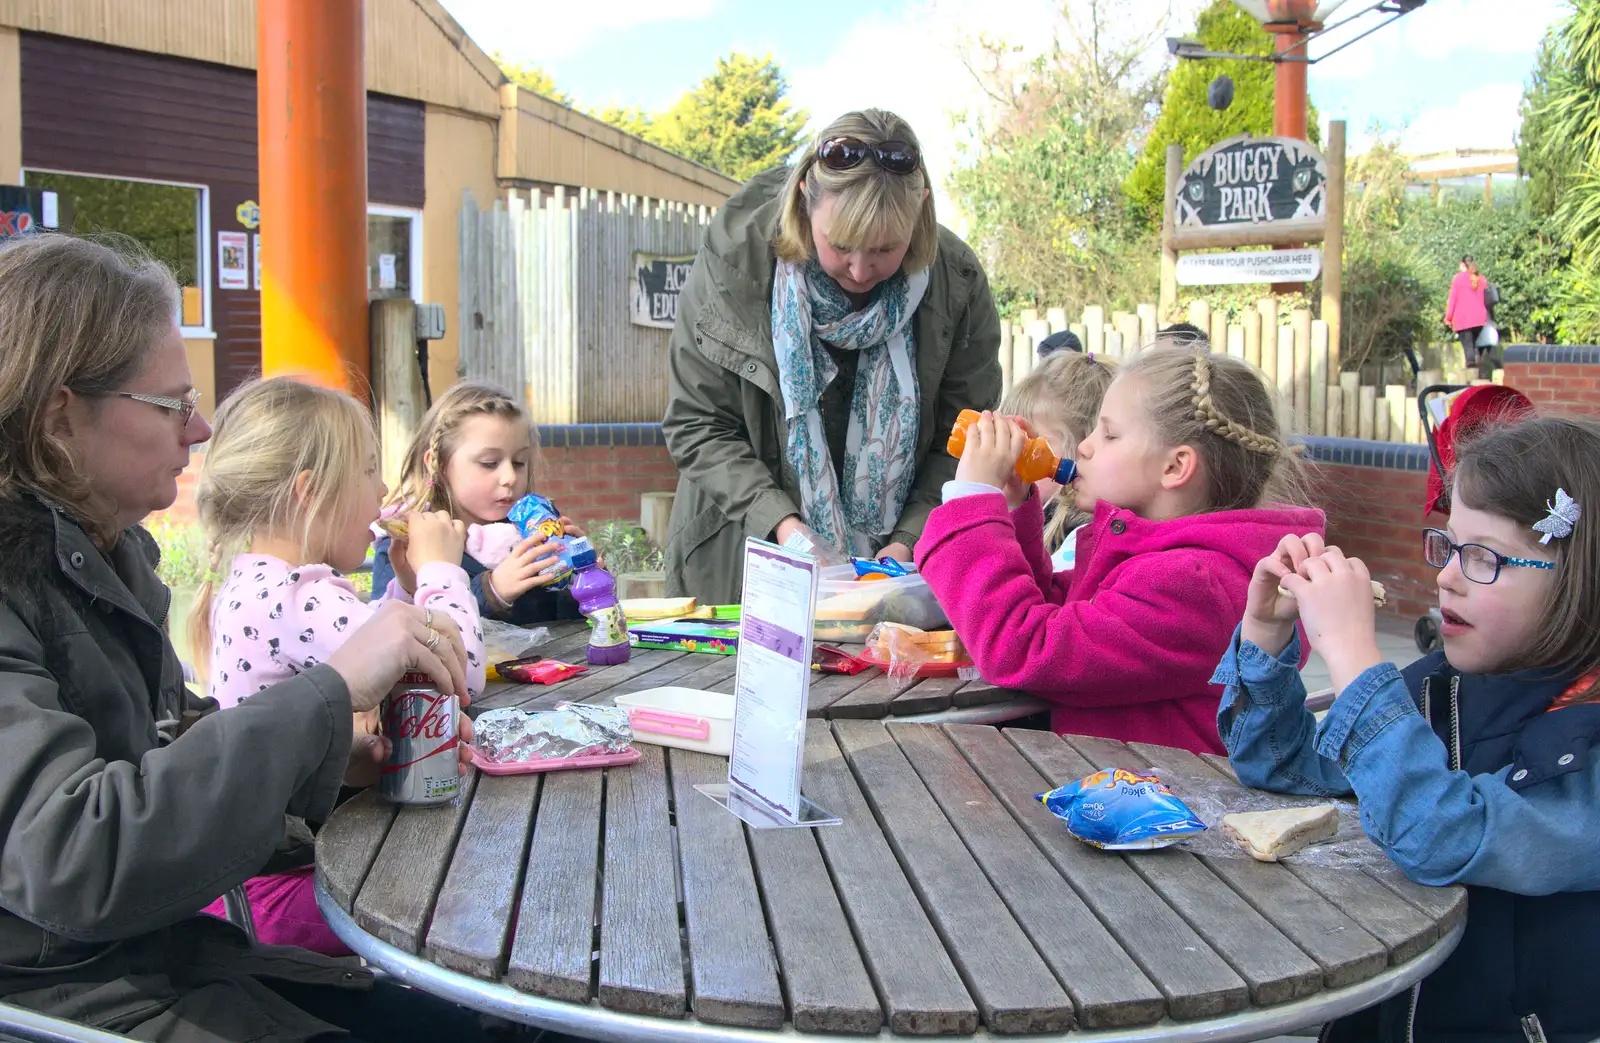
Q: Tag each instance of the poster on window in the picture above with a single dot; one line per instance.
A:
(233, 261)
(255, 255)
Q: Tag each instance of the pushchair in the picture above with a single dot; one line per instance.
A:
(1448, 412)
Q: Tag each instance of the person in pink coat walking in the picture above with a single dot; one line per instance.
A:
(1467, 312)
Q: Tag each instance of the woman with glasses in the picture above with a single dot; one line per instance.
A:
(126, 804)
(829, 335)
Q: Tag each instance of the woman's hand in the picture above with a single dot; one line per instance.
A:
(528, 566)
(397, 641)
(369, 749)
(994, 443)
(1268, 615)
(433, 536)
(1335, 600)
(897, 551)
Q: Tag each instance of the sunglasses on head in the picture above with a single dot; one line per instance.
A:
(897, 157)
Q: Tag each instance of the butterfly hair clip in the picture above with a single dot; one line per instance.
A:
(1564, 514)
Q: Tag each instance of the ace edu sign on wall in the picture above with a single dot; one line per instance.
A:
(657, 282)
(1249, 180)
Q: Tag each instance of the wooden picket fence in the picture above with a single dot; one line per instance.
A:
(1295, 357)
(546, 291)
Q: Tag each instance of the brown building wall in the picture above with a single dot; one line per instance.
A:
(92, 109)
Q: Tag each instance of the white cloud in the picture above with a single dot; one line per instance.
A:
(1440, 29)
(525, 31)
(1484, 117)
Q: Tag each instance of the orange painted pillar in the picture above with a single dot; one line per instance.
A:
(1289, 87)
(312, 107)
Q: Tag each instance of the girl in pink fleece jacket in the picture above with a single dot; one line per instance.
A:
(1186, 451)
(286, 492)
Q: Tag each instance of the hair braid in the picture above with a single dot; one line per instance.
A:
(1206, 413)
(436, 492)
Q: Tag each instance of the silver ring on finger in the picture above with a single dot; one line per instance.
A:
(427, 618)
(433, 643)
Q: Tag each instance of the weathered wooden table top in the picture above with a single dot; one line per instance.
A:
(948, 902)
(870, 694)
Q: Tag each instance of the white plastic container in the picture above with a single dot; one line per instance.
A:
(683, 718)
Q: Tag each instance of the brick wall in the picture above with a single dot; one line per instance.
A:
(1559, 379)
(594, 472)
(598, 483)
(1372, 491)
(1375, 514)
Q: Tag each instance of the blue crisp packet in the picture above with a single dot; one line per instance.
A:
(532, 511)
(1120, 811)
(534, 515)
(881, 567)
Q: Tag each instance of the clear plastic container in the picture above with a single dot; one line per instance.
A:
(848, 608)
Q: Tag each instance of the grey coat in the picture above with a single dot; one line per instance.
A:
(116, 834)
(724, 424)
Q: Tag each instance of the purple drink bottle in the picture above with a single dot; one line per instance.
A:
(596, 593)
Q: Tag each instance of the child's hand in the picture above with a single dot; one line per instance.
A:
(574, 530)
(1335, 597)
(434, 536)
(400, 562)
(993, 445)
(1269, 616)
(528, 567)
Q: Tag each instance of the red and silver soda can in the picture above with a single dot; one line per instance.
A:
(420, 722)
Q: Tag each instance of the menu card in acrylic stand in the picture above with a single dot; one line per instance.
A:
(773, 679)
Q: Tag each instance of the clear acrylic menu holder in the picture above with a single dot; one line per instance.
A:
(770, 691)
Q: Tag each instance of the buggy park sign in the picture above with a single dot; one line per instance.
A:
(1250, 181)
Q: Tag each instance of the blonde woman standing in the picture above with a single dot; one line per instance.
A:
(829, 335)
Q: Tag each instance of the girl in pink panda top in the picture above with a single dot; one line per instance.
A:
(286, 493)
(1179, 475)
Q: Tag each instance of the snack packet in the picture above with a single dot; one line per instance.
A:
(1120, 811)
(829, 660)
(503, 641)
(885, 568)
(537, 670)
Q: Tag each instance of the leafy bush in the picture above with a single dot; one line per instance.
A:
(625, 548)
(183, 553)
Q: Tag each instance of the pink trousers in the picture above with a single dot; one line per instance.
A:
(284, 908)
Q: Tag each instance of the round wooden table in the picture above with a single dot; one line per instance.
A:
(624, 905)
(868, 695)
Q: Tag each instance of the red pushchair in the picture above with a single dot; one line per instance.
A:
(1449, 413)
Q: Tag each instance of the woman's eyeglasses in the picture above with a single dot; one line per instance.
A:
(184, 406)
(897, 157)
(1479, 564)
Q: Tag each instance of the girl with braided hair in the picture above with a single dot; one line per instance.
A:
(1182, 476)
(472, 457)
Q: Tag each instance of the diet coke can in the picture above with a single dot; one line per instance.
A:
(420, 722)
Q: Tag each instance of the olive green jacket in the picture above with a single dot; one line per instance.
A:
(724, 424)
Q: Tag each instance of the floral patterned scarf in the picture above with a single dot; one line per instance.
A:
(810, 310)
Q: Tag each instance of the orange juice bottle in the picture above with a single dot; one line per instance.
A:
(1037, 462)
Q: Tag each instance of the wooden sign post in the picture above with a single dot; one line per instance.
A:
(1249, 191)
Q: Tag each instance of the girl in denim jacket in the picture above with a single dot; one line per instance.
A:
(1476, 765)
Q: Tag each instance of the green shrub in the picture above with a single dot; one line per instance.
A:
(625, 548)
(183, 553)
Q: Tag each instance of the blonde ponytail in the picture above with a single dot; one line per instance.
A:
(264, 437)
